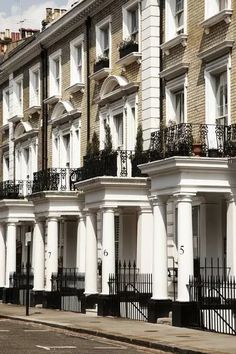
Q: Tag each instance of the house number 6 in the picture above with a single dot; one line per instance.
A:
(105, 253)
(181, 250)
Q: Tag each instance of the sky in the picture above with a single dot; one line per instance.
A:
(31, 12)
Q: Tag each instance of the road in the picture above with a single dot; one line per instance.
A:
(18, 337)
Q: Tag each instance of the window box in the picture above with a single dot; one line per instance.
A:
(100, 64)
(128, 47)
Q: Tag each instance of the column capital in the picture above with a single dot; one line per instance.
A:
(52, 218)
(81, 215)
(156, 200)
(230, 198)
(89, 211)
(107, 209)
(184, 197)
(11, 223)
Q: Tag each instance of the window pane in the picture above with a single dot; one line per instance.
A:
(119, 129)
(221, 96)
(179, 106)
(105, 34)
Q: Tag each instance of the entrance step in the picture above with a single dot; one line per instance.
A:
(165, 321)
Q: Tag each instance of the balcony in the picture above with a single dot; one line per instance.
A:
(121, 163)
(15, 189)
(55, 179)
(186, 139)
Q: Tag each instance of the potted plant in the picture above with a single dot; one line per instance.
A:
(128, 46)
(139, 156)
(108, 155)
(197, 146)
(101, 62)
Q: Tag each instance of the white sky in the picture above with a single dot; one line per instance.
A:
(32, 12)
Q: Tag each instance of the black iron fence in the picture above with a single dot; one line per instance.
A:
(132, 289)
(216, 298)
(18, 279)
(15, 189)
(187, 139)
(55, 179)
(68, 281)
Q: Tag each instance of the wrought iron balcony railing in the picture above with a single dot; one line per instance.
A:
(15, 189)
(188, 139)
(55, 179)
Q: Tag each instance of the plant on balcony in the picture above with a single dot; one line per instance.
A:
(139, 155)
(101, 63)
(109, 156)
(128, 46)
(197, 146)
(92, 164)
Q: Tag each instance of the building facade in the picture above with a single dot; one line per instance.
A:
(73, 98)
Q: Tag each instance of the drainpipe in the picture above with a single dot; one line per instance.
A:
(88, 27)
(161, 59)
(44, 75)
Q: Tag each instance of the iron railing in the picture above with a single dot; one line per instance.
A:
(55, 179)
(127, 279)
(18, 279)
(68, 280)
(15, 189)
(181, 140)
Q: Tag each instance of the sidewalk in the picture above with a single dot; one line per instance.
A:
(163, 337)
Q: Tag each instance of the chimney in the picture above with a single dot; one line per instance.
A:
(63, 11)
(48, 14)
(7, 33)
(57, 13)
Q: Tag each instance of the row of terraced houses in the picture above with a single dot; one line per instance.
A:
(117, 143)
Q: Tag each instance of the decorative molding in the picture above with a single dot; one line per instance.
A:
(174, 71)
(180, 39)
(224, 15)
(216, 51)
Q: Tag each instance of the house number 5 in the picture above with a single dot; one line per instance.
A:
(181, 250)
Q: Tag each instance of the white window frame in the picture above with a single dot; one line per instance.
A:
(34, 98)
(74, 73)
(18, 99)
(24, 169)
(52, 79)
(126, 19)
(171, 30)
(99, 37)
(6, 106)
(213, 7)
(172, 87)
(213, 69)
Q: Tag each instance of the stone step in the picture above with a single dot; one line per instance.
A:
(165, 321)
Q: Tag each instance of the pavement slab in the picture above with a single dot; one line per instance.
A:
(158, 336)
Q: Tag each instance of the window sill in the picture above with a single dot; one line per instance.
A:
(32, 109)
(180, 39)
(100, 74)
(129, 59)
(224, 15)
(52, 99)
(216, 51)
(79, 86)
(16, 118)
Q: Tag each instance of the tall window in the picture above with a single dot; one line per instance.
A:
(179, 106)
(5, 167)
(6, 105)
(35, 86)
(55, 73)
(66, 141)
(118, 120)
(76, 62)
(103, 38)
(221, 98)
(79, 62)
(134, 23)
(223, 4)
(18, 96)
(105, 41)
(179, 16)
(175, 18)
(213, 7)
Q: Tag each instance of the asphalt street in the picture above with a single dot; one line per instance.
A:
(28, 338)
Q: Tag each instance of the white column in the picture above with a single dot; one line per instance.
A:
(38, 255)
(160, 263)
(81, 244)
(185, 245)
(2, 255)
(52, 251)
(231, 232)
(11, 251)
(145, 240)
(108, 248)
(91, 254)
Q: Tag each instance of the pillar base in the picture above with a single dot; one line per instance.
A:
(1, 293)
(36, 297)
(51, 300)
(10, 296)
(108, 305)
(185, 314)
(88, 302)
(158, 309)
